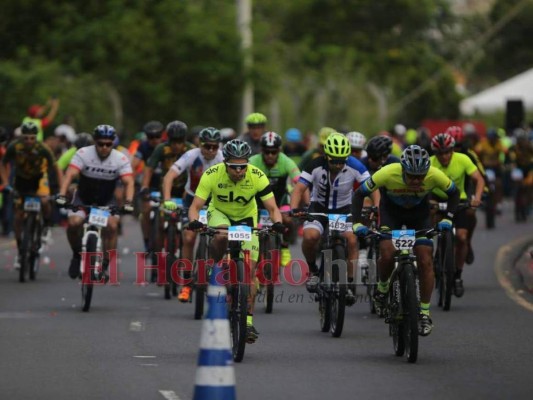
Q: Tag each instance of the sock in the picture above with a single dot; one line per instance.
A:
(250, 319)
(383, 287)
(424, 308)
(458, 273)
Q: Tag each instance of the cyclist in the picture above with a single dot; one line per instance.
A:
(520, 161)
(256, 123)
(404, 201)
(30, 160)
(98, 168)
(82, 140)
(311, 154)
(357, 141)
(378, 150)
(457, 167)
(193, 163)
(332, 177)
(278, 167)
(294, 147)
(153, 131)
(232, 186)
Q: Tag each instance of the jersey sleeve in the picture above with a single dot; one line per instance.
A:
(442, 182)
(10, 153)
(292, 169)
(306, 177)
(375, 181)
(65, 158)
(470, 167)
(77, 160)
(264, 191)
(184, 162)
(361, 173)
(125, 166)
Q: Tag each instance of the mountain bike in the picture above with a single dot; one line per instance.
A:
(238, 279)
(31, 240)
(269, 258)
(369, 268)
(173, 243)
(403, 299)
(91, 265)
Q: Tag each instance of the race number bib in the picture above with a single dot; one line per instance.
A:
(32, 203)
(337, 222)
(99, 217)
(403, 239)
(202, 217)
(155, 198)
(264, 218)
(240, 233)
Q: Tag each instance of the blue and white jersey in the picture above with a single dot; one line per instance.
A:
(195, 164)
(337, 193)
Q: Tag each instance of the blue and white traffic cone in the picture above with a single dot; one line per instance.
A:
(215, 377)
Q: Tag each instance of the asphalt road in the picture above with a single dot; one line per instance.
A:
(135, 345)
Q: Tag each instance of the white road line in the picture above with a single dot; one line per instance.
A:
(136, 326)
(149, 365)
(144, 357)
(169, 395)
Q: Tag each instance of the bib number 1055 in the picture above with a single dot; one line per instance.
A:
(240, 233)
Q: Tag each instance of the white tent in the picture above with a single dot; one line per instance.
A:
(520, 87)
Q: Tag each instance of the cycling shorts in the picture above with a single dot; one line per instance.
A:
(319, 223)
(76, 201)
(392, 217)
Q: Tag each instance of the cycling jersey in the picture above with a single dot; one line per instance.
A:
(337, 194)
(234, 199)
(29, 162)
(489, 153)
(164, 157)
(144, 151)
(195, 164)
(395, 190)
(278, 173)
(98, 177)
(390, 159)
(458, 169)
(65, 158)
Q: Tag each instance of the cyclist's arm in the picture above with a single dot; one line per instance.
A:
(298, 194)
(129, 186)
(71, 174)
(4, 172)
(147, 176)
(167, 182)
(272, 208)
(135, 162)
(480, 186)
(194, 209)
(55, 174)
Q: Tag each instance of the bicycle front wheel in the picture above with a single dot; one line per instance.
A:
(238, 308)
(410, 312)
(201, 277)
(34, 256)
(87, 276)
(338, 293)
(170, 247)
(26, 247)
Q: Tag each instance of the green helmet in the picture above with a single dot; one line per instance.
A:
(236, 149)
(256, 119)
(337, 145)
(210, 134)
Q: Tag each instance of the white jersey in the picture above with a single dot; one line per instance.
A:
(332, 195)
(195, 164)
(98, 177)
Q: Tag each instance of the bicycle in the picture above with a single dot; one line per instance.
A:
(490, 199)
(239, 281)
(31, 241)
(96, 219)
(173, 242)
(269, 257)
(155, 204)
(369, 268)
(403, 305)
(331, 290)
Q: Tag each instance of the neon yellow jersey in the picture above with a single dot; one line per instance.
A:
(390, 179)
(459, 168)
(235, 199)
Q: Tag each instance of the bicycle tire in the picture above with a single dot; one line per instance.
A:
(394, 318)
(449, 270)
(201, 278)
(338, 293)
(520, 204)
(173, 283)
(410, 311)
(87, 278)
(490, 210)
(372, 257)
(324, 303)
(152, 245)
(26, 245)
(267, 274)
(35, 247)
(238, 311)
(438, 262)
(170, 258)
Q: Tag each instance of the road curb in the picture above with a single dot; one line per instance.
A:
(507, 257)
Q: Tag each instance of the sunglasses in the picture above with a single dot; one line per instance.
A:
(29, 138)
(150, 137)
(237, 167)
(271, 152)
(178, 141)
(337, 161)
(415, 177)
(444, 152)
(104, 144)
(211, 147)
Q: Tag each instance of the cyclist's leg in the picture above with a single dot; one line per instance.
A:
(219, 243)
(145, 222)
(313, 231)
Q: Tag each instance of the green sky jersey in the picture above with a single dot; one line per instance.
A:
(235, 200)
(277, 175)
(459, 168)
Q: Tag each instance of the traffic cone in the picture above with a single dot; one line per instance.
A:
(215, 377)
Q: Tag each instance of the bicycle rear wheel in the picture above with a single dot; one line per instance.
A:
(87, 276)
(26, 247)
(267, 245)
(238, 308)
(410, 312)
(448, 275)
(200, 277)
(338, 293)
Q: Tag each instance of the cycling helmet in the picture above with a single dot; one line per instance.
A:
(324, 133)
(271, 140)
(256, 119)
(236, 149)
(415, 160)
(357, 140)
(105, 132)
(456, 132)
(210, 134)
(83, 140)
(176, 130)
(442, 142)
(337, 145)
(492, 133)
(29, 127)
(293, 135)
(227, 134)
(379, 146)
(153, 129)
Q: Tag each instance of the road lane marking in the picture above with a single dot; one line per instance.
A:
(136, 326)
(169, 395)
(144, 356)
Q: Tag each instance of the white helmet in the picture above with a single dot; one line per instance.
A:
(357, 140)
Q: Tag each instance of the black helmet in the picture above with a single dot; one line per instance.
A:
(415, 160)
(153, 129)
(176, 130)
(379, 146)
(210, 134)
(271, 140)
(83, 140)
(236, 149)
(29, 127)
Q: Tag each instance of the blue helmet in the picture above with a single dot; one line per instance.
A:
(293, 135)
(105, 132)
(415, 160)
